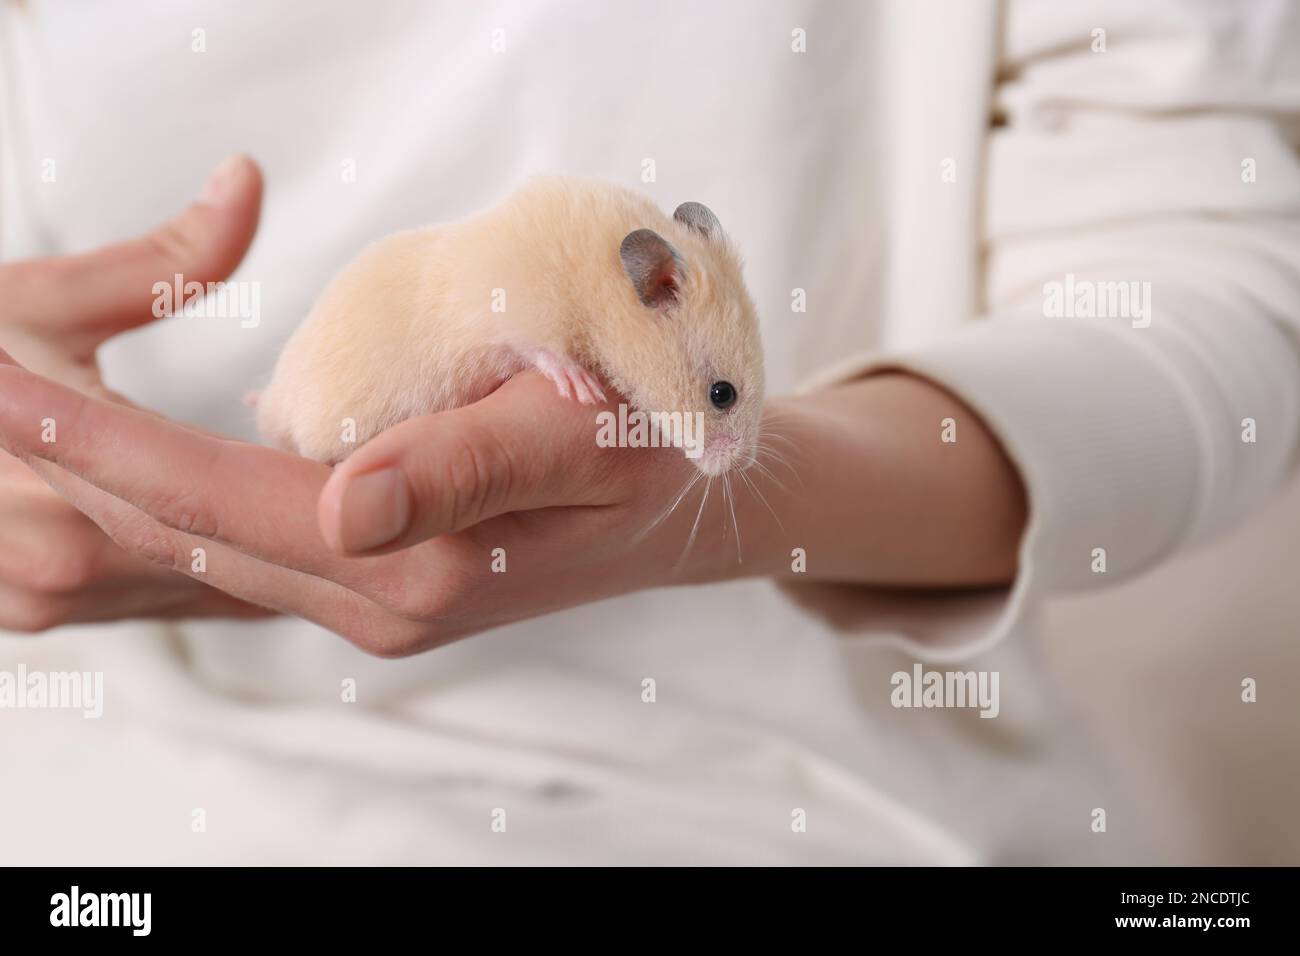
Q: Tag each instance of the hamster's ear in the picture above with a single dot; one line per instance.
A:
(652, 265)
(699, 217)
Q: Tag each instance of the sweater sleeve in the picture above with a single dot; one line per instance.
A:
(1140, 357)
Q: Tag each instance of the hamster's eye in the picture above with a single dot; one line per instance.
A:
(722, 395)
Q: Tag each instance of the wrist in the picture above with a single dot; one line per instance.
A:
(856, 484)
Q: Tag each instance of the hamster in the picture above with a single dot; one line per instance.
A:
(578, 279)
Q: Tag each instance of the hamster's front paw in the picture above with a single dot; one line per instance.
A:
(571, 379)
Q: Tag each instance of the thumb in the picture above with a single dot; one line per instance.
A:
(521, 448)
(110, 290)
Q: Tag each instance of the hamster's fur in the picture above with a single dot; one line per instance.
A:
(568, 276)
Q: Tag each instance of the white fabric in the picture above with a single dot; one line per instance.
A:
(826, 167)
(1129, 437)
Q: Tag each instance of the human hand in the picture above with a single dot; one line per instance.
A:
(453, 523)
(56, 566)
(519, 471)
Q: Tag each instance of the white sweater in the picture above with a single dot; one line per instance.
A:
(863, 171)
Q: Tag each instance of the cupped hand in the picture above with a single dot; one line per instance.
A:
(445, 525)
(56, 566)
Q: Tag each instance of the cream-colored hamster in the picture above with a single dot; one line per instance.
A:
(580, 280)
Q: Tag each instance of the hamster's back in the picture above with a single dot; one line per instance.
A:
(434, 318)
(349, 359)
(551, 247)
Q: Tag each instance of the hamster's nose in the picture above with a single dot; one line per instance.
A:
(720, 454)
(721, 446)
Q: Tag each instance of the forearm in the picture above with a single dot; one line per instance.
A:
(874, 495)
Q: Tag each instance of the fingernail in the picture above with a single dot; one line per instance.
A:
(220, 185)
(375, 509)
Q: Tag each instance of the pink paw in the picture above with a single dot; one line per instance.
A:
(571, 379)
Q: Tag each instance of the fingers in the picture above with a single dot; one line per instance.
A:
(160, 491)
(257, 500)
(244, 580)
(57, 567)
(110, 290)
(519, 449)
(31, 611)
(254, 498)
(46, 546)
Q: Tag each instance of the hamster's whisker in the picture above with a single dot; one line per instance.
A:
(708, 486)
(757, 492)
(726, 504)
(726, 487)
(731, 504)
(781, 460)
(772, 430)
(767, 473)
(771, 422)
(663, 515)
(769, 436)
